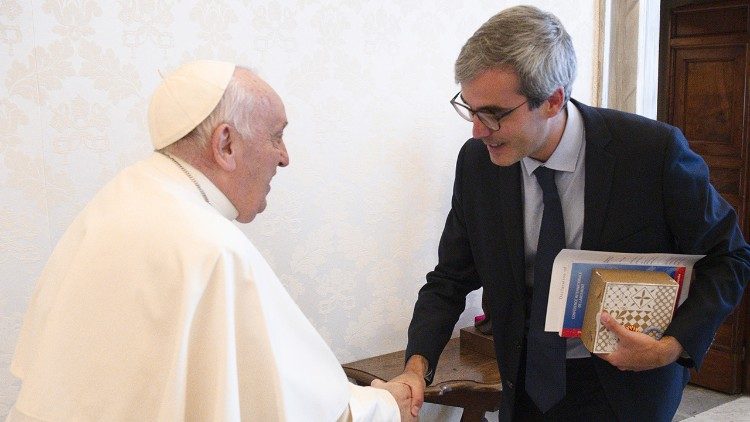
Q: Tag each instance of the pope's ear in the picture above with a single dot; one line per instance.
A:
(223, 147)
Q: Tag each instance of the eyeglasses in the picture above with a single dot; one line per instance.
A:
(489, 119)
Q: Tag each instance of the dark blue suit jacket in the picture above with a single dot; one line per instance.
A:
(645, 191)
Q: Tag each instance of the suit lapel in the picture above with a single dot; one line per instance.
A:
(600, 165)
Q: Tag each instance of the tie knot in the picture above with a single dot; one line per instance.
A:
(546, 179)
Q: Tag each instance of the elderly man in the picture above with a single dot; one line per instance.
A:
(155, 306)
(544, 172)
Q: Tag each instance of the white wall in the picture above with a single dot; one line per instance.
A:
(352, 225)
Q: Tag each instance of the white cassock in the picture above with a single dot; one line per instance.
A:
(155, 306)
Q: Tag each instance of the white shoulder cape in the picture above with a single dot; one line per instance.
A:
(155, 306)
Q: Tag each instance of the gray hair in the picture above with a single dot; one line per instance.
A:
(527, 40)
(233, 108)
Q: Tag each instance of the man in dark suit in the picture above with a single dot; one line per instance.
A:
(623, 183)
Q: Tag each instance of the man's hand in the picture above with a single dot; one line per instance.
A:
(402, 393)
(638, 351)
(413, 376)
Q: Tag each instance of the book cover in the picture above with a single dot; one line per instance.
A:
(580, 279)
(642, 301)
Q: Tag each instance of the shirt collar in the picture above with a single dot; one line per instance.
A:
(215, 196)
(566, 155)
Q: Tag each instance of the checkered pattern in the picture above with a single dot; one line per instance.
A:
(644, 308)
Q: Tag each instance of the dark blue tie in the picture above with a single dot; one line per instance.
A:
(545, 355)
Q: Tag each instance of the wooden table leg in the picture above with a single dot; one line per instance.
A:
(472, 414)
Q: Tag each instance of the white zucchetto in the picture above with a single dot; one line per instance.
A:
(185, 98)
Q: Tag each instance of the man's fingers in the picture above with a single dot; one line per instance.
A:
(377, 383)
(612, 325)
(416, 385)
(417, 396)
(416, 404)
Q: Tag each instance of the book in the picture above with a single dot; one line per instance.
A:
(571, 276)
(642, 301)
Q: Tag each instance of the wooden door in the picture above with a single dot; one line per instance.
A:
(703, 90)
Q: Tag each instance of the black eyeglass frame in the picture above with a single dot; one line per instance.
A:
(491, 120)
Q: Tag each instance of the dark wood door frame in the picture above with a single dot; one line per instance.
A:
(703, 35)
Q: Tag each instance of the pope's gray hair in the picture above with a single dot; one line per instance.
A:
(234, 108)
(527, 40)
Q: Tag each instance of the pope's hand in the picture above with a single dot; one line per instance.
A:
(402, 393)
(638, 351)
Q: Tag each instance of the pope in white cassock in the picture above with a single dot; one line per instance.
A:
(154, 306)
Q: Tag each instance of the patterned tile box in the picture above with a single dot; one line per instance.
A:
(642, 301)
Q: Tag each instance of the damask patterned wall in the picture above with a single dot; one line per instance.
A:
(352, 225)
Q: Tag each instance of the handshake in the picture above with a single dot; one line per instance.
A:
(407, 388)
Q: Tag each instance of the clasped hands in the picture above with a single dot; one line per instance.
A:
(402, 392)
(410, 386)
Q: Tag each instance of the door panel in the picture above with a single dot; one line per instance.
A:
(709, 98)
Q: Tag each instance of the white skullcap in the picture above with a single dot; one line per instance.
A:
(185, 98)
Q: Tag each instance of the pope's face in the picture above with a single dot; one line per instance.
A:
(259, 154)
(522, 133)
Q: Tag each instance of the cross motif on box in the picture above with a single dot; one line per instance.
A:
(642, 298)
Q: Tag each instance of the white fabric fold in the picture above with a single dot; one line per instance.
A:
(372, 404)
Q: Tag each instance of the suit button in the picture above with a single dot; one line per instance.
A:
(517, 344)
(509, 385)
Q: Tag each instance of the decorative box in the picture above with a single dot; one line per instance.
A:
(642, 301)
